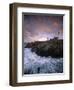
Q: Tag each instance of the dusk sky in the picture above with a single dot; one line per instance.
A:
(42, 27)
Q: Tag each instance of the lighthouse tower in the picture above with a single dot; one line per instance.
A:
(47, 38)
(58, 34)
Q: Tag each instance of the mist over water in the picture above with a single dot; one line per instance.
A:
(34, 64)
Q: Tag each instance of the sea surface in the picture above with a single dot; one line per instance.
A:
(34, 64)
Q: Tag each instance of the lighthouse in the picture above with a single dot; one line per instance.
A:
(47, 38)
(58, 34)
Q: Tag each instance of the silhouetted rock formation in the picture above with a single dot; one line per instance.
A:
(52, 47)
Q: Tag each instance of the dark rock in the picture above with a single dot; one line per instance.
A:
(53, 48)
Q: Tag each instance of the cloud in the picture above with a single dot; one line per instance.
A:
(36, 27)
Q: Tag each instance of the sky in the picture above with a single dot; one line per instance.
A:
(42, 27)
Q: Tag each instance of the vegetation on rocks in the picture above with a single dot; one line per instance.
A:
(52, 47)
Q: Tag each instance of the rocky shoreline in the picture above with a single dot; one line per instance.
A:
(52, 47)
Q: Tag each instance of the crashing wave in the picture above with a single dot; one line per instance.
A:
(34, 64)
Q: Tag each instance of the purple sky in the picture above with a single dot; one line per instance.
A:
(42, 27)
